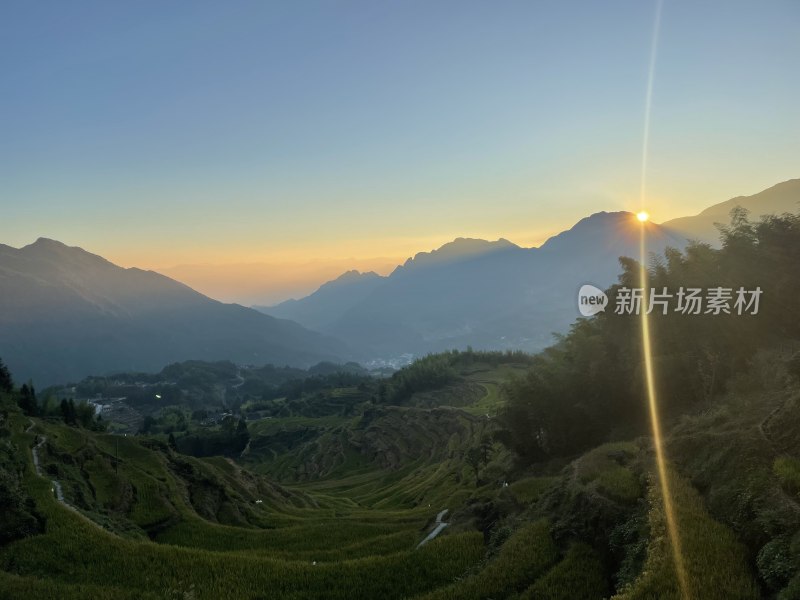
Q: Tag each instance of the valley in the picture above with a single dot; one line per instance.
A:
(399, 301)
(343, 502)
(466, 474)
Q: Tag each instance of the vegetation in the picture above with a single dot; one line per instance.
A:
(588, 387)
(715, 562)
(262, 482)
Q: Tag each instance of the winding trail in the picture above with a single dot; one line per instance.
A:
(57, 490)
(437, 529)
(240, 380)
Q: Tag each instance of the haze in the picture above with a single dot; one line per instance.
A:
(271, 146)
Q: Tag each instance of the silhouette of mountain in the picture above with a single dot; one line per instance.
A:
(497, 295)
(474, 292)
(322, 308)
(66, 313)
(781, 198)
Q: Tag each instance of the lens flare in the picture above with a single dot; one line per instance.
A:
(652, 398)
(655, 425)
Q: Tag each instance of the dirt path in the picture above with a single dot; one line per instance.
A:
(55, 484)
(240, 380)
(437, 529)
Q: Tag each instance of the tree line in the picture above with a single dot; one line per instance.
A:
(589, 386)
(75, 414)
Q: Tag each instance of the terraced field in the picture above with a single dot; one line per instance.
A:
(335, 506)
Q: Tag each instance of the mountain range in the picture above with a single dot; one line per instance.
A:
(496, 294)
(66, 313)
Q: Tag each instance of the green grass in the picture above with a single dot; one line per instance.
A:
(525, 556)
(209, 528)
(530, 489)
(787, 470)
(491, 380)
(608, 469)
(308, 536)
(715, 561)
(579, 576)
(320, 546)
(74, 553)
(14, 587)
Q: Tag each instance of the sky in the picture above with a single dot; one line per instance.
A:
(257, 149)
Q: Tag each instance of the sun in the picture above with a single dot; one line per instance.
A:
(642, 216)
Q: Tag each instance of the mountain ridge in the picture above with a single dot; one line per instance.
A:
(66, 313)
(779, 198)
(466, 270)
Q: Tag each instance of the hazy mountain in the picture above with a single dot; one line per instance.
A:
(458, 250)
(480, 293)
(321, 309)
(66, 313)
(781, 198)
(497, 294)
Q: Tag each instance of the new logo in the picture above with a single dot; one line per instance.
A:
(591, 300)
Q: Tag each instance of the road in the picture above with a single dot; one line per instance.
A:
(437, 529)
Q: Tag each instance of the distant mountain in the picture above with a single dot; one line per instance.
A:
(493, 295)
(496, 295)
(781, 198)
(66, 313)
(458, 250)
(321, 309)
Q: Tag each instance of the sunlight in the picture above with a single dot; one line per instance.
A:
(655, 424)
(642, 216)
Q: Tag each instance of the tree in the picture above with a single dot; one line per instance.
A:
(84, 414)
(474, 459)
(591, 383)
(68, 412)
(27, 400)
(148, 424)
(486, 448)
(6, 383)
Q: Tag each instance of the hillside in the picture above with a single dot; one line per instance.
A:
(781, 198)
(343, 503)
(66, 313)
(211, 528)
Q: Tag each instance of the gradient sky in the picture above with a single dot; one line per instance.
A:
(161, 134)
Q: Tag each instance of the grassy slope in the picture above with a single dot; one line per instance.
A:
(716, 565)
(309, 542)
(74, 553)
(350, 531)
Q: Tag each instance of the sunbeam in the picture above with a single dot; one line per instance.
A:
(648, 102)
(643, 217)
(655, 424)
